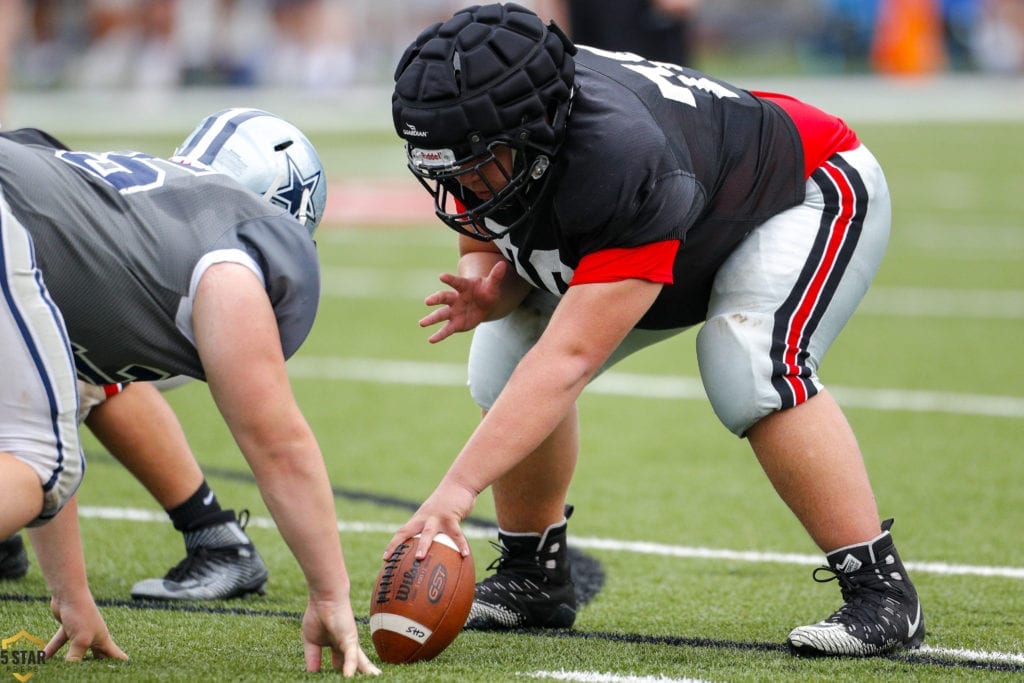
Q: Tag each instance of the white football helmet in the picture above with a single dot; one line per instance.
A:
(264, 153)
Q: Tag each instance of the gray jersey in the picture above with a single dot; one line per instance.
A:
(120, 238)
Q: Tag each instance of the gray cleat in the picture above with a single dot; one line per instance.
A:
(221, 563)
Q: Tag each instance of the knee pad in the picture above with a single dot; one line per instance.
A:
(735, 367)
(490, 365)
(499, 345)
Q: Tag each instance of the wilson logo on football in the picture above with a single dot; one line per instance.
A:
(408, 580)
(438, 580)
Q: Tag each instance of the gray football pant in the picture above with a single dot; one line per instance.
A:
(777, 304)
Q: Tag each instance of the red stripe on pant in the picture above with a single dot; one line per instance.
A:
(798, 321)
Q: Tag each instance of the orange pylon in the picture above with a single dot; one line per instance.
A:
(908, 38)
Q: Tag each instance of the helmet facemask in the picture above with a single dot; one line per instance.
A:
(506, 204)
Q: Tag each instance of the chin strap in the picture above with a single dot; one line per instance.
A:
(307, 200)
(269, 194)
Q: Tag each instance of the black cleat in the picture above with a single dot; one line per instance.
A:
(13, 558)
(531, 587)
(882, 612)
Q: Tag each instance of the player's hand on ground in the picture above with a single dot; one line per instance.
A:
(467, 304)
(441, 513)
(82, 628)
(331, 624)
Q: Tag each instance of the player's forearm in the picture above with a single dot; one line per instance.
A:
(508, 434)
(295, 487)
(58, 549)
(513, 288)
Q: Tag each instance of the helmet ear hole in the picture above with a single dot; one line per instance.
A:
(264, 153)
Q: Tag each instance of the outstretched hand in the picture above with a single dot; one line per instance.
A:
(83, 629)
(331, 624)
(468, 303)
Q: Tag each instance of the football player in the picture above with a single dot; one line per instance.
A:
(122, 267)
(605, 203)
(138, 427)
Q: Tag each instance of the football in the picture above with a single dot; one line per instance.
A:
(418, 607)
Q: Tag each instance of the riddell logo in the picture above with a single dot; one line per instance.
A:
(414, 132)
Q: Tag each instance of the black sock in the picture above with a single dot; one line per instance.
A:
(200, 509)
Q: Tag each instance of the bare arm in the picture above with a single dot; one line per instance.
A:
(486, 288)
(240, 348)
(58, 548)
(477, 259)
(588, 324)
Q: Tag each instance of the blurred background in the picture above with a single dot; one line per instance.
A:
(314, 51)
(934, 87)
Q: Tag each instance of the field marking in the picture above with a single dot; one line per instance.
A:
(596, 677)
(345, 282)
(971, 655)
(640, 547)
(758, 557)
(649, 386)
(593, 543)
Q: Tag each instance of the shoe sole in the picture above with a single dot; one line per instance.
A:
(563, 617)
(258, 587)
(809, 652)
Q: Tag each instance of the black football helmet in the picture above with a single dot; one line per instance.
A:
(491, 75)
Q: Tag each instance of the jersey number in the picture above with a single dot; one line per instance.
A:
(671, 81)
(127, 172)
(87, 372)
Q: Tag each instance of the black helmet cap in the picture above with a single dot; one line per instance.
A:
(491, 72)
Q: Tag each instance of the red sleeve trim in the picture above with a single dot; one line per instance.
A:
(821, 133)
(652, 262)
(112, 389)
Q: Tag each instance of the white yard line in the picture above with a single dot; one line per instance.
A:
(599, 677)
(608, 544)
(649, 386)
(345, 282)
(972, 655)
(642, 548)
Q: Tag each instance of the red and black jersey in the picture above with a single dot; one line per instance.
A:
(663, 172)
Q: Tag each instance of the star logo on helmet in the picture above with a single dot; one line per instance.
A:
(296, 190)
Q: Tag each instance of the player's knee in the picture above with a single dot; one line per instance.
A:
(484, 393)
(732, 351)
